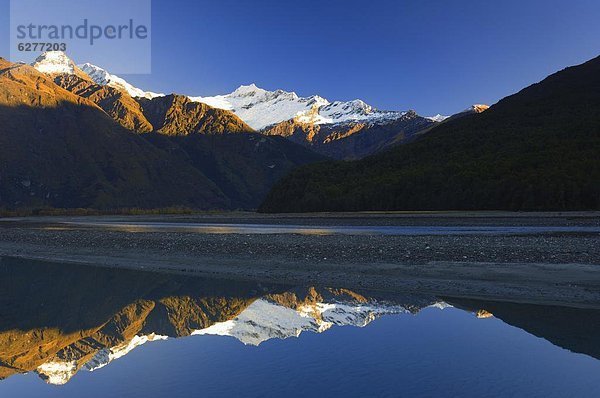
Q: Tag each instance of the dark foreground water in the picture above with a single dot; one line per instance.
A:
(70, 331)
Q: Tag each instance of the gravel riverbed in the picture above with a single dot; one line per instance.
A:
(544, 268)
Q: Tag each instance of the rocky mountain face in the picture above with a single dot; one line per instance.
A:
(124, 109)
(167, 153)
(177, 115)
(147, 112)
(58, 149)
(354, 139)
(341, 130)
(338, 129)
(535, 150)
(371, 132)
(68, 141)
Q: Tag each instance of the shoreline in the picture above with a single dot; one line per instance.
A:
(518, 288)
(249, 214)
(552, 269)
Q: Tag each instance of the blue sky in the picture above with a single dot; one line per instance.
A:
(434, 56)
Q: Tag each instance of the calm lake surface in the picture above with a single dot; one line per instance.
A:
(72, 331)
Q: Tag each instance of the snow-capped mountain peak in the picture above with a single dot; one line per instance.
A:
(256, 106)
(250, 90)
(261, 108)
(57, 63)
(438, 118)
(355, 105)
(54, 62)
(264, 320)
(354, 111)
(102, 77)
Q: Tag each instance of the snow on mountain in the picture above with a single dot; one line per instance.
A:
(477, 108)
(107, 355)
(57, 62)
(103, 78)
(355, 111)
(60, 372)
(261, 108)
(264, 320)
(54, 62)
(261, 321)
(257, 107)
(57, 373)
(440, 305)
(438, 118)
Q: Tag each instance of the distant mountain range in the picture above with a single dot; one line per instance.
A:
(77, 136)
(536, 150)
(66, 141)
(338, 129)
(257, 107)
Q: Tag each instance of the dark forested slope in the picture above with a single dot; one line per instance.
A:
(536, 150)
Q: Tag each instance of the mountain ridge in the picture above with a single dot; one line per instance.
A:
(67, 142)
(135, 110)
(534, 150)
(63, 150)
(244, 98)
(339, 129)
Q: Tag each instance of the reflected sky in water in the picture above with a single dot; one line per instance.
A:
(70, 331)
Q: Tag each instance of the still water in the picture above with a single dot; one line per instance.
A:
(72, 331)
(258, 229)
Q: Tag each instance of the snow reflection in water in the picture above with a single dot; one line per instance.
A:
(59, 319)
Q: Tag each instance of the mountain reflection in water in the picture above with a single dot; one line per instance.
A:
(58, 319)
